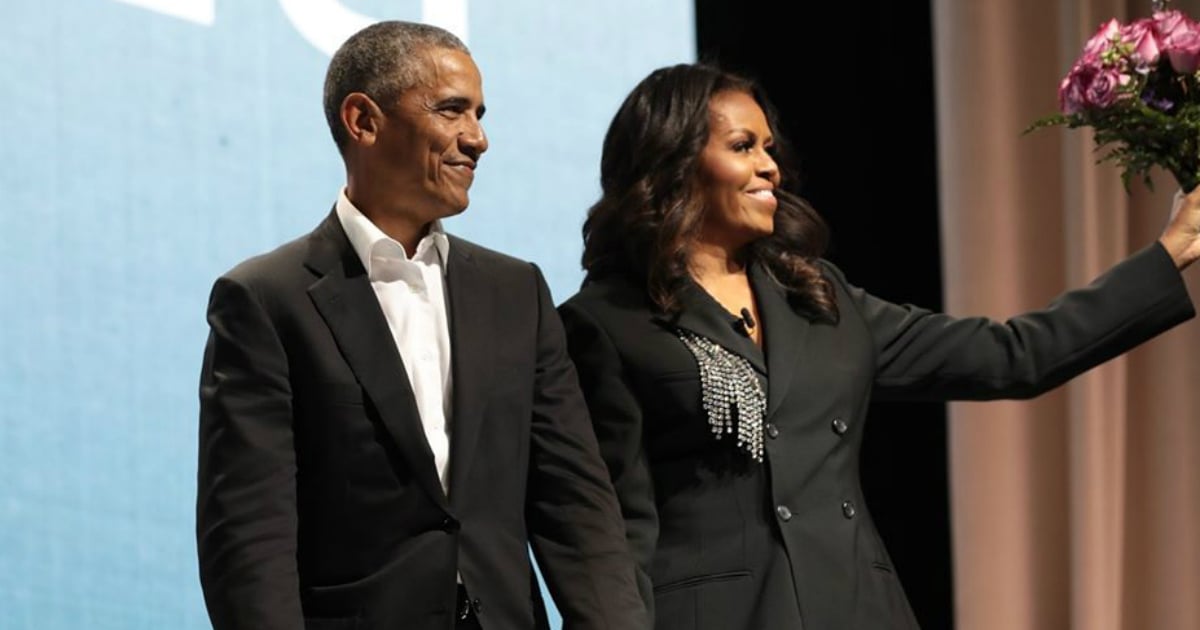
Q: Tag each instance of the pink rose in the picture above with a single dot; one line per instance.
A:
(1140, 38)
(1101, 41)
(1179, 39)
(1168, 23)
(1183, 49)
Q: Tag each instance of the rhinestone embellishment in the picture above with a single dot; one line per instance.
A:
(732, 396)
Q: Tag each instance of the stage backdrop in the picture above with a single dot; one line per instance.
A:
(146, 146)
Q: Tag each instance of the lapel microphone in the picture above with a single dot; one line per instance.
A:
(748, 318)
(745, 323)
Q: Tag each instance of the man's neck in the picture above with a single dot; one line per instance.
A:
(398, 225)
(398, 228)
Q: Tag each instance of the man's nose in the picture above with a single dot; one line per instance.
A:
(472, 140)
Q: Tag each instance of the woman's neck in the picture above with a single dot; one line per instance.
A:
(715, 262)
(721, 272)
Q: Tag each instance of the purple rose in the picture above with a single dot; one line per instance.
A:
(1141, 39)
(1105, 88)
(1072, 92)
(1091, 86)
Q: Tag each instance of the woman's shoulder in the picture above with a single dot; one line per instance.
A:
(832, 274)
(607, 297)
(829, 269)
(607, 290)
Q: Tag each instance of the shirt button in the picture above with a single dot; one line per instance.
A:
(839, 426)
(848, 509)
(784, 513)
(477, 605)
(772, 430)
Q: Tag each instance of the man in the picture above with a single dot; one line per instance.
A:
(388, 416)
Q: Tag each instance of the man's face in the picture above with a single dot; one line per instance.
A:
(431, 138)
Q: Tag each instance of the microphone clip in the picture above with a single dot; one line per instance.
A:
(745, 323)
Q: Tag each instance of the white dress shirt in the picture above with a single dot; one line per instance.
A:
(412, 294)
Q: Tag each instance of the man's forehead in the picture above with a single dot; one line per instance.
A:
(436, 67)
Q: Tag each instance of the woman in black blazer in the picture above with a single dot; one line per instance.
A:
(728, 367)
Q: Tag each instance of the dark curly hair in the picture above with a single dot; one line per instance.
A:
(651, 209)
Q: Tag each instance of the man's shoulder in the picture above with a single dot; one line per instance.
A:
(280, 267)
(501, 267)
(269, 264)
(274, 279)
(487, 255)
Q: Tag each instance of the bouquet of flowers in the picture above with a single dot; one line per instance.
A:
(1136, 86)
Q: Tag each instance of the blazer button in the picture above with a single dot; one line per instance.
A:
(772, 430)
(848, 509)
(839, 426)
(783, 512)
(450, 525)
(477, 606)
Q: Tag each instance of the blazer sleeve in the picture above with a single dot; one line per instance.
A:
(246, 501)
(926, 355)
(617, 421)
(574, 521)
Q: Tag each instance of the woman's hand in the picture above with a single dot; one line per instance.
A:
(1181, 238)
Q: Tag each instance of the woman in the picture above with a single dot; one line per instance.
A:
(728, 367)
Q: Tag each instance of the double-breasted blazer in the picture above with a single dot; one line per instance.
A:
(725, 543)
(319, 504)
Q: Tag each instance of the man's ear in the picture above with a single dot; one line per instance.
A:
(361, 117)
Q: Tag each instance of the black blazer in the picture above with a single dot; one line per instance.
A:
(724, 543)
(319, 505)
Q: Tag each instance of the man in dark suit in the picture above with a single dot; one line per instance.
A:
(388, 415)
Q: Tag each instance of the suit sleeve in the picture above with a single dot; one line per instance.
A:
(574, 521)
(617, 421)
(246, 501)
(926, 355)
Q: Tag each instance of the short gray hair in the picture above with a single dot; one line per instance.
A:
(381, 62)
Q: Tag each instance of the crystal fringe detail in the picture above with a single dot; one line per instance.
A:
(732, 396)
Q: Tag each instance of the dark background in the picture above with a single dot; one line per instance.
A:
(853, 83)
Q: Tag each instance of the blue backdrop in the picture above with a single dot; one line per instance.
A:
(148, 145)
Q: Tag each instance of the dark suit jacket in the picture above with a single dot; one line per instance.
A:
(727, 544)
(319, 505)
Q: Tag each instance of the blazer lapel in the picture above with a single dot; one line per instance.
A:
(345, 299)
(469, 300)
(785, 332)
(704, 316)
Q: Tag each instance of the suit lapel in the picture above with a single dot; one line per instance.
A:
(470, 301)
(785, 332)
(346, 301)
(704, 316)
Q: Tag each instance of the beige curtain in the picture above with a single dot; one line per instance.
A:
(1080, 509)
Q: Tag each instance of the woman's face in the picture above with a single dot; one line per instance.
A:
(737, 175)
